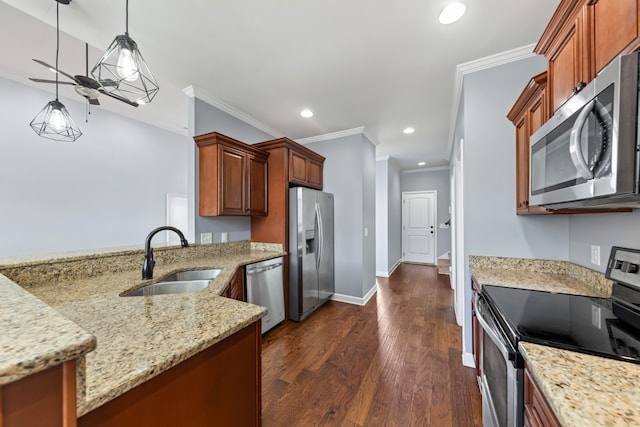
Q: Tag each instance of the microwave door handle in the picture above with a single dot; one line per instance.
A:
(605, 119)
(575, 149)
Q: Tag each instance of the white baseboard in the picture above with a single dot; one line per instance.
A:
(356, 300)
(468, 360)
(390, 272)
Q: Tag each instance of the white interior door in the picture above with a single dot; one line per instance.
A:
(419, 227)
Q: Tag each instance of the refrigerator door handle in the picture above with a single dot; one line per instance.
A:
(319, 237)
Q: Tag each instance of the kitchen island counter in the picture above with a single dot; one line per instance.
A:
(140, 337)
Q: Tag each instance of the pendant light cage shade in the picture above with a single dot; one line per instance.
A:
(122, 71)
(54, 122)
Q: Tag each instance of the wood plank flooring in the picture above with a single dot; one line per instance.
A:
(395, 362)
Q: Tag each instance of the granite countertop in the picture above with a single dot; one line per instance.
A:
(541, 275)
(585, 390)
(140, 337)
(33, 336)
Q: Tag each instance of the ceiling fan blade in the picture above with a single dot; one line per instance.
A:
(109, 83)
(54, 69)
(93, 101)
(51, 81)
(119, 98)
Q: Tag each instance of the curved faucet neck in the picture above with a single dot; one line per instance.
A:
(149, 262)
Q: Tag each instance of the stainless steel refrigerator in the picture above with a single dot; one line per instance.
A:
(311, 266)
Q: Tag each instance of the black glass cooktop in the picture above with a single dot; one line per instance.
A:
(571, 322)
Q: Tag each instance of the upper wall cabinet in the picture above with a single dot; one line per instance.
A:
(233, 177)
(305, 167)
(582, 37)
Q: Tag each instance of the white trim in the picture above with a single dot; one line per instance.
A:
(390, 272)
(478, 65)
(336, 135)
(194, 92)
(356, 300)
(378, 159)
(468, 360)
(431, 169)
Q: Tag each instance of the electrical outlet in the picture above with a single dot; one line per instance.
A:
(224, 237)
(596, 316)
(595, 254)
(366, 232)
(206, 238)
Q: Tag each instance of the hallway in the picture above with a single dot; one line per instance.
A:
(395, 362)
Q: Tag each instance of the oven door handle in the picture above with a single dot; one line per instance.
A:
(489, 327)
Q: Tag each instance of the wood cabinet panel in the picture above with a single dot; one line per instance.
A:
(235, 288)
(615, 26)
(537, 412)
(315, 174)
(232, 177)
(219, 386)
(297, 168)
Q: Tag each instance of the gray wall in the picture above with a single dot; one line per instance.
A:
(349, 174)
(491, 226)
(433, 181)
(207, 118)
(108, 189)
(388, 216)
(604, 230)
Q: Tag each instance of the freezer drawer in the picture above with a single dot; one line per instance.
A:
(265, 287)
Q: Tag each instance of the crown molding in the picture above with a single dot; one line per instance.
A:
(487, 62)
(431, 169)
(194, 92)
(336, 135)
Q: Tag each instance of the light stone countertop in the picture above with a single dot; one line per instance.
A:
(540, 275)
(141, 337)
(33, 336)
(585, 390)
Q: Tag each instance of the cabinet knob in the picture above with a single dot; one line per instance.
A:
(581, 85)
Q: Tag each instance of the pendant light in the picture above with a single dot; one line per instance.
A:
(54, 121)
(122, 70)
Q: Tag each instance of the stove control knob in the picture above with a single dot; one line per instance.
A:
(628, 267)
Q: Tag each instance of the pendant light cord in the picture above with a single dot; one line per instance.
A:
(126, 31)
(57, 43)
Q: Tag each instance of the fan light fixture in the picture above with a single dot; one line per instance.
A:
(54, 121)
(123, 72)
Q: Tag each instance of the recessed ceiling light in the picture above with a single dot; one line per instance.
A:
(409, 130)
(421, 163)
(452, 13)
(306, 113)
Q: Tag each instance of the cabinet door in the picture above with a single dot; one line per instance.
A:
(568, 62)
(235, 288)
(231, 181)
(297, 168)
(537, 412)
(256, 192)
(315, 174)
(522, 165)
(615, 26)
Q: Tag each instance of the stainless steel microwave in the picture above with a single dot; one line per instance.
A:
(586, 155)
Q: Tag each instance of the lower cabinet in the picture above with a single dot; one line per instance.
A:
(235, 288)
(537, 412)
(220, 386)
(47, 395)
(476, 332)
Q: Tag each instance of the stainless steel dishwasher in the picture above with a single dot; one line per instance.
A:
(265, 287)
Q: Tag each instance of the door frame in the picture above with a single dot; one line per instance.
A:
(435, 227)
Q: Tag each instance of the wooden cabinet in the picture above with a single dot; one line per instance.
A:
(537, 412)
(235, 288)
(305, 168)
(221, 386)
(582, 37)
(528, 114)
(232, 177)
(44, 398)
(290, 164)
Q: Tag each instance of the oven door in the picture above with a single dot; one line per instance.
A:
(502, 379)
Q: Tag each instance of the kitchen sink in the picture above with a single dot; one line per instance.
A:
(189, 275)
(178, 283)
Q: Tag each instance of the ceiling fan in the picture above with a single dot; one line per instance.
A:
(84, 85)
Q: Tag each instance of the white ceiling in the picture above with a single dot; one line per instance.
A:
(384, 65)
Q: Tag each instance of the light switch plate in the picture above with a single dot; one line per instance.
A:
(224, 237)
(595, 254)
(206, 238)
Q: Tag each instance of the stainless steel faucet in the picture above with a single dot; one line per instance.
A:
(149, 263)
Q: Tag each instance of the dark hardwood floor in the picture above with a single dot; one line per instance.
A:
(395, 362)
